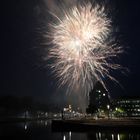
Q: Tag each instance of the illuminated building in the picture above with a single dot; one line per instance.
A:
(130, 107)
(98, 99)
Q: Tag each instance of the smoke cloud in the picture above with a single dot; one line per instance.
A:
(55, 6)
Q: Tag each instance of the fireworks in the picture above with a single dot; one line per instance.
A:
(81, 47)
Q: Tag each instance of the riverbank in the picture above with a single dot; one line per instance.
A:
(86, 124)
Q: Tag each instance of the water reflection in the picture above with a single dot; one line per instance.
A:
(118, 136)
(112, 136)
(25, 126)
(64, 137)
(46, 123)
(115, 136)
(73, 136)
(67, 136)
(41, 130)
(70, 135)
(100, 136)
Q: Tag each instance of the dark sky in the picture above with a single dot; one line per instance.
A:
(22, 71)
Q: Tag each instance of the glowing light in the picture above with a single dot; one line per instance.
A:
(99, 91)
(118, 137)
(25, 127)
(82, 46)
(70, 135)
(64, 137)
(108, 106)
(100, 135)
(112, 136)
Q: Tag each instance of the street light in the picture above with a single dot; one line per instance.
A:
(108, 107)
(99, 91)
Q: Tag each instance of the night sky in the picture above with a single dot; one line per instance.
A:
(23, 71)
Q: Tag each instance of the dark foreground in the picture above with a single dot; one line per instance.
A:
(43, 130)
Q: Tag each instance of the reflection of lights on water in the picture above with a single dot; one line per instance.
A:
(67, 136)
(132, 137)
(70, 135)
(118, 136)
(64, 137)
(46, 123)
(25, 127)
(112, 136)
(99, 135)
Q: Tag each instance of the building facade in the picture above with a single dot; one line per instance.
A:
(98, 100)
(129, 107)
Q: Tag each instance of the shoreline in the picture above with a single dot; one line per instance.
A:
(83, 125)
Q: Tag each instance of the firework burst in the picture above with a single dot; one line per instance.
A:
(81, 47)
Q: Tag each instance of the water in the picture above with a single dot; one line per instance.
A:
(41, 130)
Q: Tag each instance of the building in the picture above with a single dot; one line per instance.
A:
(99, 100)
(129, 107)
